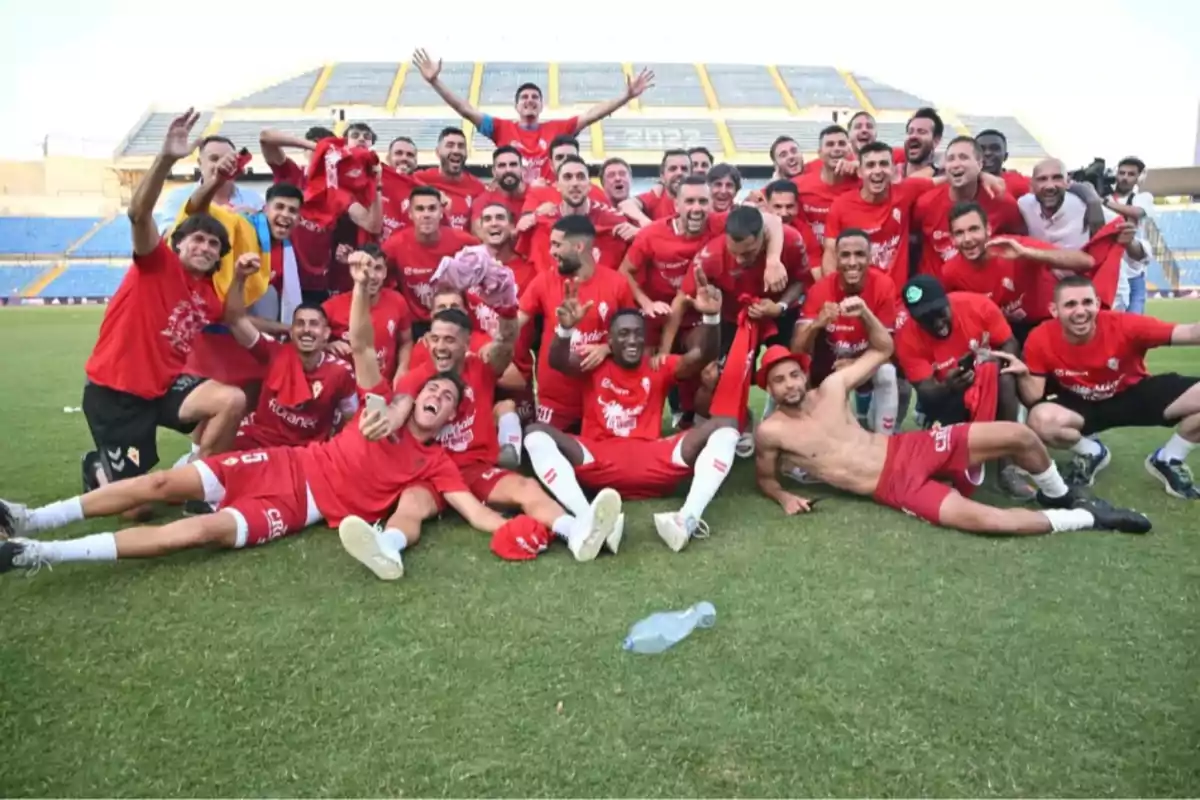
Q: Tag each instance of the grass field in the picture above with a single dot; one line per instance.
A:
(856, 651)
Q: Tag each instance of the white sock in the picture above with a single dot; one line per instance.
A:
(1050, 482)
(1087, 447)
(56, 515)
(1068, 519)
(508, 427)
(195, 449)
(1177, 448)
(564, 526)
(97, 547)
(885, 401)
(394, 538)
(712, 467)
(556, 473)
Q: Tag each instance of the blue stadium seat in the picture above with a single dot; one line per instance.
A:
(754, 136)
(244, 133)
(15, 278)
(41, 236)
(818, 86)
(582, 83)
(1181, 229)
(456, 75)
(885, 97)
(111, 241)
(85, 280)
(1021, 143)
(498, 86)
(744, 86)
(1155, 276)
(1189, 273)
(362, 84)
(637, 133)
(675, 85)
(291, 93)
(148, 138)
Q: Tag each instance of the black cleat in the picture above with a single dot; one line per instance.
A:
(197, 508)
(1066, 501)
(1110, 518)
(90, 466)
(9, 550)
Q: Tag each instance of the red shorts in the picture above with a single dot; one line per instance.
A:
(636, 468)
(559, 418)
(524, 400)
(481, 478)
(915, 461)
(265, 489)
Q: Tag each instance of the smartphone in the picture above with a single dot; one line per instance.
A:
(376, 403)
(967, 363)
(812, 504)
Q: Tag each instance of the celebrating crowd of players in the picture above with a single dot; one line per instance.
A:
(377, 342)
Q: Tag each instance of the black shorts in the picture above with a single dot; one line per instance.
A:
(1143, 405)
(420, 327)
(317, 296)
(124, 426)
(1021, 329)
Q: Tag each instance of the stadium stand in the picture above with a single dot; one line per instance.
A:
(14, 278)
(501, 79)
(885, 97)
(657, 135)
(586, 84)
(244, 133)
(423, 132)
(111, 240)
(818, 86)
(1181, 229)
(85, 280)
(146, 138)
(456, 75)
(744, 86)
(1021, 143)
(41, 236)
(675, 85)
(757, 136)
(358, 84)
(291, 93)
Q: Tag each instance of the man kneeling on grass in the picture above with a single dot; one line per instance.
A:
(816, 430)
(265, 494)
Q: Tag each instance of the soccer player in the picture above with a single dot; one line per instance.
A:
(845, 337)
(620, 445)
(783, 201)
(924, 135)
(702, 160)
(814, 428)
(834, 174)
(306, 391)
(785, 155)
(941, 349)
(725, 181)
(497, 229)
(508, 187)
(616, 178)
(402, 155)
(603, 292)
(965, 183)
(414, 253)
(659, 202)
(1087, 373)
(993, 149)
(390, 317)
(135, 379)
(263, 495)
(528, 133)
(457, 187)
(544, 191)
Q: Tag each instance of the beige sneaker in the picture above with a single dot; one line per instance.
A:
(361, 540)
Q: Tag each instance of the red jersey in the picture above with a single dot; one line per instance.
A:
(991, 277)
(389, 317)
(1034, 281)
(532, 143)
(548, 193)
(422, 359)
(886, 223)
(607, 291)
(847, 336)
(608, 250)
(816, 197)
(515, 203)
(932, 215)
(394, 201)
(622, 403)
(470, 437)
(1016, 183)
(461, 193)
(313, 242)
(1113, 360)
(975, 323)
(150, 324)
(415, 262)
(733, 280)
(349, 476)
(331, 383)
(661, 256)
(657, 205)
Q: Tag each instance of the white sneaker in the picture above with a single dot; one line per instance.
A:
(745, 445)
(613, 542)
(22, 554)
(14, 519)
(510, 457)
(603, 516)
(361, 540)
(676, 531)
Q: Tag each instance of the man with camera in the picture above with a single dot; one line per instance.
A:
(1128, 201)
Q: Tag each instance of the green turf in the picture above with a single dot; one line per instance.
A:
(856, 651)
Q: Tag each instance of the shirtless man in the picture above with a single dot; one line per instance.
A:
(815, 429)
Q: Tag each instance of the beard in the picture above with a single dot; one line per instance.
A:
(509, 182)
(569, 266)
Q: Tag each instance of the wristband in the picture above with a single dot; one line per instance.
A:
(711, 319)
(782, 306)
(563, 333)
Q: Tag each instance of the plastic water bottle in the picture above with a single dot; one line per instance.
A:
(660, 631)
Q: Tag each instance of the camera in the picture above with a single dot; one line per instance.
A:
(1098, 175)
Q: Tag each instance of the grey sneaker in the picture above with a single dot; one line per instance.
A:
(1176, 477)
(1083, 469)
(510, 457)
(1013, 483)
(14, 519)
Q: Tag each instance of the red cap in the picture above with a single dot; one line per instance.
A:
(775, 354)
(520, 539)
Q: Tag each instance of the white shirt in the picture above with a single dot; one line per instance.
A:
(1065, 228)
(1145, 201)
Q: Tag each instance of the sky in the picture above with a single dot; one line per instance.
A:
(1103, 78)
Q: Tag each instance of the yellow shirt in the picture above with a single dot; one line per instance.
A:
(243, 238)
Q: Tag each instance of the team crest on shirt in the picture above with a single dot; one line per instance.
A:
(391, 327)
(229, 462)
(603, 308)
(134, 455)
(469, 394)
(317, 386)
(896, 214)
(1113, 364)
(646, 385)
(1007, 284)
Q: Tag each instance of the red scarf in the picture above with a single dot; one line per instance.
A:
(980, 397)
(731, 397)
(520, 539)
(239, 168)
(286, 377)
(333, 169)
(1107, 252)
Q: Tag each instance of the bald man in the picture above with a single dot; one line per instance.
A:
(1059, 211)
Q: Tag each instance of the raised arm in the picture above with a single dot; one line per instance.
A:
(430, 70)
(879, 350)
(272, 142)
(1054, 258)
(370, 218)
(360, 329)
(499, 353)
(239, 322)
(176, 145)
(708, 348)
(633, 88)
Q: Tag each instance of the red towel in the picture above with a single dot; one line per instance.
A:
(1107, 252)
(239, 169)
(980, 398)
(287, 379)
(520, 539)
(336, 169)
(731, 397)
